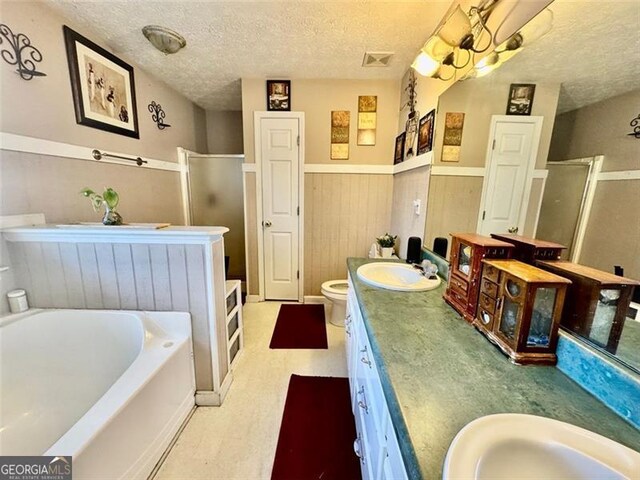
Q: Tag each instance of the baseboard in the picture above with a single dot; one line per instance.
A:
(207, 398)
(314, 299)
(226, 385)
(253, 298)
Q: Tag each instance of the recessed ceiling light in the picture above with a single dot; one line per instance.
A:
(164, 39)
(377, 59)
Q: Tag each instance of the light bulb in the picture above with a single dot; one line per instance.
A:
(425, 65)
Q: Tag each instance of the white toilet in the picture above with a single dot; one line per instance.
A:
(336, 292)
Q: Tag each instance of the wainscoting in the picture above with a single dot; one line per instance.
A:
(344, 213)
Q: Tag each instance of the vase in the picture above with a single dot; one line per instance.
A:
(386, 252)
(111, 217)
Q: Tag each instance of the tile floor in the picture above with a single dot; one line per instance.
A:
(238, 440)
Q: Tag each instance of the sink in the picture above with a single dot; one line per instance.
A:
(508, 446)
(396, 276)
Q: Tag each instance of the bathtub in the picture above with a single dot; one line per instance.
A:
(110, 388)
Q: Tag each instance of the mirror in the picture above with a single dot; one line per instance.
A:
(565, 102)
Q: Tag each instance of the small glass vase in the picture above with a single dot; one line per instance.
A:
(111, 217)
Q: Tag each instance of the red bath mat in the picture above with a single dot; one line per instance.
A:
(317, 432)
(300, 326)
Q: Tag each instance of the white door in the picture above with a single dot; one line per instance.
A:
(280, 154)
(510, 169)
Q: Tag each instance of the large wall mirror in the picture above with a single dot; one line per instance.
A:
(545, 148)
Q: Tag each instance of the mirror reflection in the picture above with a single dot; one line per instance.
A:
(545, 152)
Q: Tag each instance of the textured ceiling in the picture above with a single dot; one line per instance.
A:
(593, 50)
(289, 39)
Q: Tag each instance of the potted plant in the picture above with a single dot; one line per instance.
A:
(386, 243)
(109, 200)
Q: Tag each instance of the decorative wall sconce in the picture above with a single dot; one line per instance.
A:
(20, 53)
(635, 123)
(157, 115)
(411, 126)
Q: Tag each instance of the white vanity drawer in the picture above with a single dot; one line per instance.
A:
(361, 448)
(393, 465)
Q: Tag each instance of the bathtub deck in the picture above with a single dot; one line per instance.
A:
(238, 440)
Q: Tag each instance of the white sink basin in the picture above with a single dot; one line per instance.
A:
(396, 276)
(516, 446)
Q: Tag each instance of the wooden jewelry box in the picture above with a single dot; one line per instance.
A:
(529, 250)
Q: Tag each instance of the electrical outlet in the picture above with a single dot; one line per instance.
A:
(416, 206)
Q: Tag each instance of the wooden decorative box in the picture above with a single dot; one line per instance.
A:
(529, 250)
(597, 302)
(467, 252)
(520, 308)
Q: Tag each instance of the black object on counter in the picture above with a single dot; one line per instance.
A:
(414, 250)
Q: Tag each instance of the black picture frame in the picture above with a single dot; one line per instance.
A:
(398, 155)
(520, 98)
(115, 112)
(279, 95)
(425, 132)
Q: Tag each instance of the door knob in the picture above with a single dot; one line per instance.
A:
(266, 223)
(513, 230)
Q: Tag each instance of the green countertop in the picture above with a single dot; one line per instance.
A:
(438, 374)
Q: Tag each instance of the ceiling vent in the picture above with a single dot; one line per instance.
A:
(377, 59)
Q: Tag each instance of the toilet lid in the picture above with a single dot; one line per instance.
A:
(336, 286)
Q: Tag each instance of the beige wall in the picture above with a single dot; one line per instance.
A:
(407, 187)
(224, 132)
(317, 98)
(343, 215)
(600, 129)
(480, 99)
(43, 184)
(43, 107)
(613, 230)
(452, 206)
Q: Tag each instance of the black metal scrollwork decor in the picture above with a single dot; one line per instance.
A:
(635, 123)
(157, 115)
(20, 53)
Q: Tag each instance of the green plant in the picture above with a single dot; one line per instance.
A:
(387, 241)
(109, 197)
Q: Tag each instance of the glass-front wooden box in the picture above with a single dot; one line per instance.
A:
(597, 302)
(529, 250)
(467, 252)
(519, 309)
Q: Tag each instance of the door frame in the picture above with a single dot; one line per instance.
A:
(535, 145)
(257, 120)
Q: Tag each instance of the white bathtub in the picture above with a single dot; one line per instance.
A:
(110, 388)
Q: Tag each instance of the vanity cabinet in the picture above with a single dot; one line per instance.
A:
(376, 443)
(467, 252)
(597, 302)
(519, 309)
(530, 250)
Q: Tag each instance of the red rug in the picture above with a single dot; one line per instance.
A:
(317, 432)
(300, 326)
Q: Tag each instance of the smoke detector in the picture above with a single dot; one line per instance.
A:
(377, 59)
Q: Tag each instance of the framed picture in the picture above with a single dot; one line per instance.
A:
(279, 95)
(398, 156)
(103, 87)
(520, 98)
(425, 132)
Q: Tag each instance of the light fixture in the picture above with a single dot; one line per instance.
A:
(532, 31)
(459, 32)
(164, 39)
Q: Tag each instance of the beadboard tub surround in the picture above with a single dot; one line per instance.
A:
(169, 269)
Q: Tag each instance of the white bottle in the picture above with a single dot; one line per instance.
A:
(18, 301)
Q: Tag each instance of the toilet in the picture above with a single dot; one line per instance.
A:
(336, 292)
